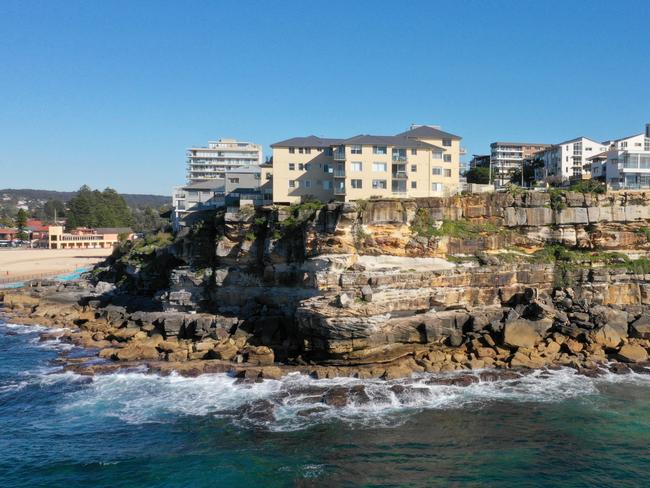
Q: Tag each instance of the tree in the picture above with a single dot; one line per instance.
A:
(21, 223)
(98, 209)
(54, 209)
(478, 175)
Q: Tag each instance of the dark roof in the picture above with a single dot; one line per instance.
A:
(428, 131)
(502, 143)
(113, 230)
(395, 141)
(211, 184)
(309, 141)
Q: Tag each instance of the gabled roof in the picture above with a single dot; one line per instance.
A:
(212, 184)
(575, 139)
(395, 141)
(427, 131)
(309, 141)
(612, 141)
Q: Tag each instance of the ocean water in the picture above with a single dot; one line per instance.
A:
(131, 429)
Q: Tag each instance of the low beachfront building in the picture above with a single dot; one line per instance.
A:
(421, 162)
(84, 238)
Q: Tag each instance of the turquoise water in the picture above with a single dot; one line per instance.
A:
(136, 430)
(75, 275)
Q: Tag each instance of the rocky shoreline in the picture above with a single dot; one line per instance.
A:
(539, 332)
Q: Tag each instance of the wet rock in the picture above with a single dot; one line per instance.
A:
(336, 397)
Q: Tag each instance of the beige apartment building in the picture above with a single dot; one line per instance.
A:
(421, 162)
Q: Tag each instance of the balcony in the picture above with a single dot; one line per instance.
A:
(339, 190)
(339, 173)
(339, 154)
(399, 175)
(399, 158)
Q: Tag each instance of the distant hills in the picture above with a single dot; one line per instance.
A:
(30, 195)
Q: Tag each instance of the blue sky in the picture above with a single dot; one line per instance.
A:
(111, 93)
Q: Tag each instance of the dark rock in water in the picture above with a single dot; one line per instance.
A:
(640, 368)
(619, 368)
(311, 411)
(336, 397)
(490, 376)
(462, 380)
(591, 372)
(358, 394)
(259, 411)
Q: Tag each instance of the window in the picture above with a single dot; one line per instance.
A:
(292, 150)
(436, 154)
(446, 142)
(307, 183)
(379, 184)
(437, 186)
(327, 185)
(301, 150)
(233, 180)
(436, 171)
(356, 149)
(326, 168)
(414, 168)
(356, 184)
(329, 151)
(307, 166)
(292, 183)
(269, 176)
(379, 167)
(301, 167)
(414, 152)
(447, 158)
(379, 150)
(414, 184)
(292, 166)
(448, 173)
(308, 150)
(357, 166)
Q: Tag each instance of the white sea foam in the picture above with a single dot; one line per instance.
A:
(296, 401)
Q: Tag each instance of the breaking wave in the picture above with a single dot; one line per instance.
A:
(297, 401)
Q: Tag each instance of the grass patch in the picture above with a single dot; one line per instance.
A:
(589, 186)
(423, 225)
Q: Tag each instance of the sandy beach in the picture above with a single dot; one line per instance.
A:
(26, 263)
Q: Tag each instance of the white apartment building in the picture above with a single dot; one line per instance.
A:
(508, 157)
(566, 161)
(211, 162)
(626, 164)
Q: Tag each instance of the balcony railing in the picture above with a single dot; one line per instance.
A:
(399, 175)
(339, 155)
(339, 190)
(399, 158)
(339, 173)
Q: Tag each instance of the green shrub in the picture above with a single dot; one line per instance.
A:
(557, 199)
(589, 186)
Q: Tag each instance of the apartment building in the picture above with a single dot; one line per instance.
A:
(423, 161)
(565, 161)
(508, 157)
(241, 186)
(626, 164)
(211, 162)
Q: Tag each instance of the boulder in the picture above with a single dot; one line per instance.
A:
(260, 355)
(226, 351)
(617, 319)
(366, 293)
(632, 353)
(521, 333)
(136, 352)
(606, 336)
(640, 328)
(344, 300)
